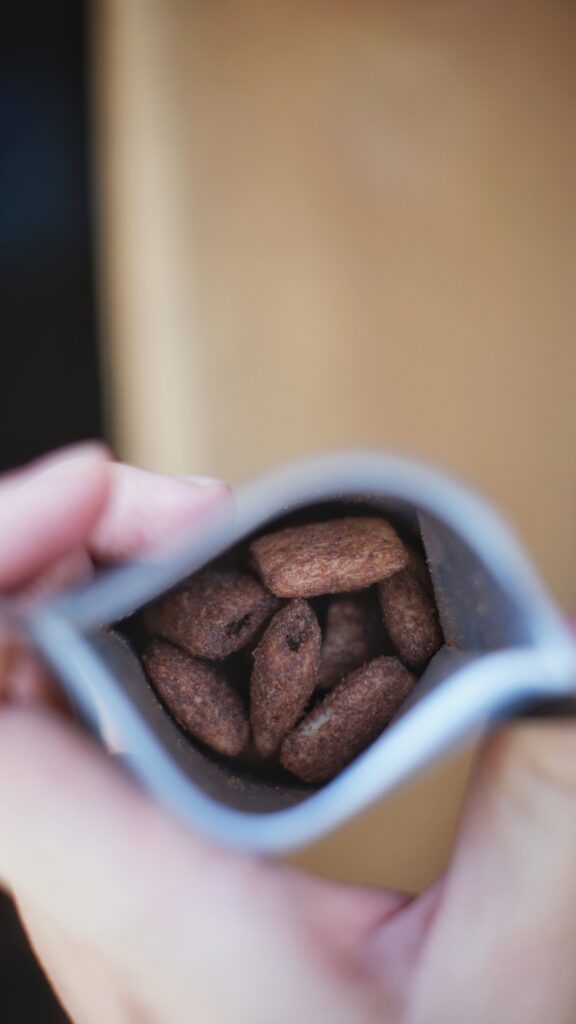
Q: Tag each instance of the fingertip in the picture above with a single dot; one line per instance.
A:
(148, 510)
(519, 820)
(47, 511)
(538, 757)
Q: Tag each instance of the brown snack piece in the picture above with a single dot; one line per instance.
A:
(353, 635)
(214, 614)
(346, 721)
(199, 696)
(410, 614)
(328, 557)
(286, 663)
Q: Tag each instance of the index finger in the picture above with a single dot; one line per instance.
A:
(145, 510)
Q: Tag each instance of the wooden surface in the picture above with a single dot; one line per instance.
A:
(328, 224)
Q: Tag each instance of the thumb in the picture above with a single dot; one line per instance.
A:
(512, 883)
(521, 811)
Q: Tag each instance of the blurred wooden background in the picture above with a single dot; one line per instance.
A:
(327, 224)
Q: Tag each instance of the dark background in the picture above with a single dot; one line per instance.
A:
(49, 393)
(49, 374)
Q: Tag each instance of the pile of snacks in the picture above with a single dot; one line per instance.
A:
(304, 654)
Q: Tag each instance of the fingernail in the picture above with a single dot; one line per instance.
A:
(202, 481)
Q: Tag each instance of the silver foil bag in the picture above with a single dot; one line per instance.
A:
(507, 651)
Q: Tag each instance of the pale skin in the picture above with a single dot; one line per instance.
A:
(137, 919)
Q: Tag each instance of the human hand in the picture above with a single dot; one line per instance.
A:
(135, 918)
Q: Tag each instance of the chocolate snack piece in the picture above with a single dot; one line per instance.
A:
(346, 721)
(286, 664)
(200, 698)
(378, 624)
(353, 635)
(215, 613)
(410, 614)
(325, 558)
